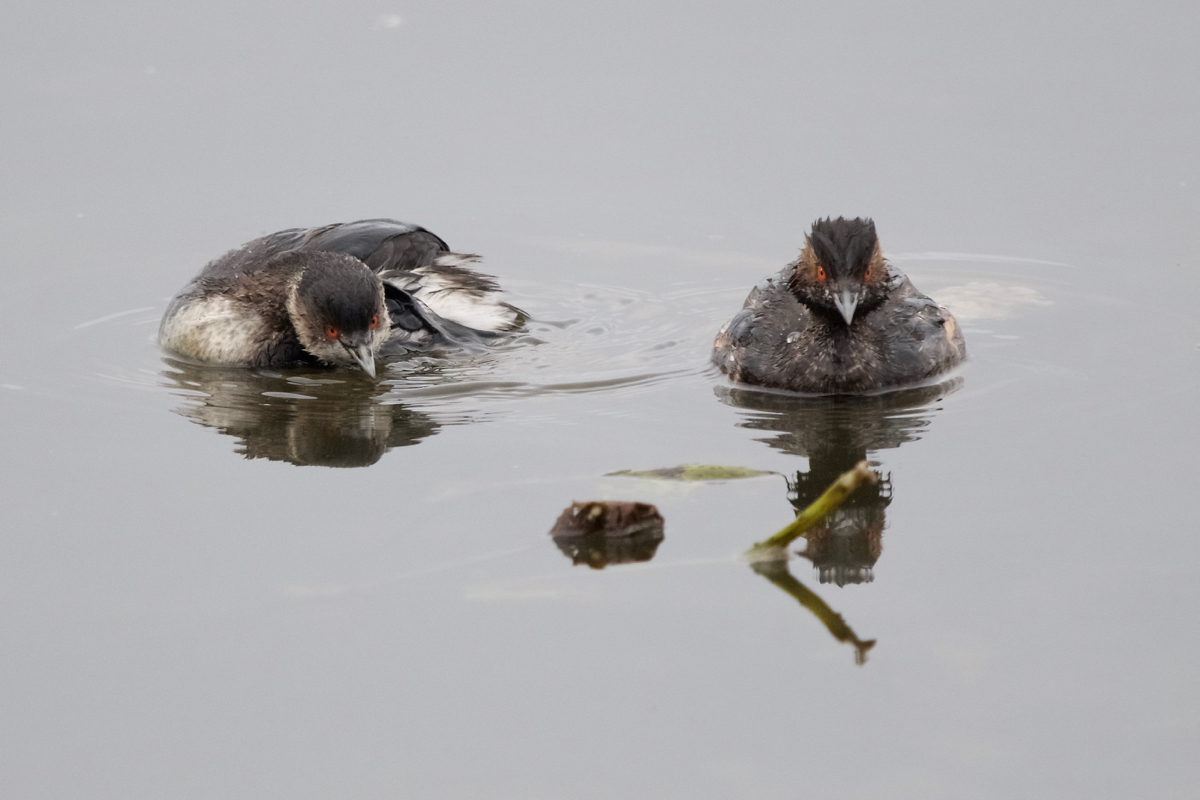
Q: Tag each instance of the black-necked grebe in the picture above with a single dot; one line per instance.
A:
(341, 294)
(838, 320)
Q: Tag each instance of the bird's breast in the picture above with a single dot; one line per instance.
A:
(216, 329)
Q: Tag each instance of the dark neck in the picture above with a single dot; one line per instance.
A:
(835, 326)
(832, 323)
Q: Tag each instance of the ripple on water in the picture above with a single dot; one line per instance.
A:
(582, 339)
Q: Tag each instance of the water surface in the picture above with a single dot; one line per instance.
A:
(305, 583)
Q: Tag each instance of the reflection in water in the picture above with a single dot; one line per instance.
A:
(835, 433)
(845, 545)
(776, 571)
(309, 418)
(603, 533)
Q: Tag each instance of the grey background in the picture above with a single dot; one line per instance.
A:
(179, 621)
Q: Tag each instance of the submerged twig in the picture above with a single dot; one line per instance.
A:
(769, 557)
(833, 497)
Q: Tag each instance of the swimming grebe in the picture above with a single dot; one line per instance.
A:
(342, 294)
(838, 320)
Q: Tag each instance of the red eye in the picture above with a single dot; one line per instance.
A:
(820, 273)
(867, 274)
(331, 333)
(374, 323)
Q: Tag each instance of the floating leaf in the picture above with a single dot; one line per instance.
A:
(693, 472)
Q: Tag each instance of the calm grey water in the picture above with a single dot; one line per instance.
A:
(223, 584)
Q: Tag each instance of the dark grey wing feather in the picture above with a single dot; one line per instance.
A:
(252, 255)
(382, 244)
(921, 338)
(750, 346)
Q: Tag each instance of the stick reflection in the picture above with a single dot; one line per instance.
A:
(776, 571)
(835, 434)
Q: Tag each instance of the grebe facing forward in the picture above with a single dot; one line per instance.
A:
(838, 320)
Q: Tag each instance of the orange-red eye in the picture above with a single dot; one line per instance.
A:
(867, 274)
(331, 333)
(374, 323)
(820, 273)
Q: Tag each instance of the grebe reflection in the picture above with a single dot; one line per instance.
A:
(304, 417)
(834, 433)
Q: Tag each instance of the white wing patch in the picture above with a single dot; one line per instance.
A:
(466, 299)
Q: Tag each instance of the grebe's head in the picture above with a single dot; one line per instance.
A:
(337, 309)
(841, 273)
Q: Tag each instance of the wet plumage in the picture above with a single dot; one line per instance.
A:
(838, 320)
(342, 294)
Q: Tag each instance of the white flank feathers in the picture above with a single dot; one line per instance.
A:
(452, 298)
(214, 329)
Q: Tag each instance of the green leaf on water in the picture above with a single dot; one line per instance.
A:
(693, 472)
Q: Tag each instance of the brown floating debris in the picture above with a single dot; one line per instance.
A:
(608, 517)
(605, 532)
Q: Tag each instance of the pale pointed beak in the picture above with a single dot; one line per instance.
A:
(363, 355)
(846, 302)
